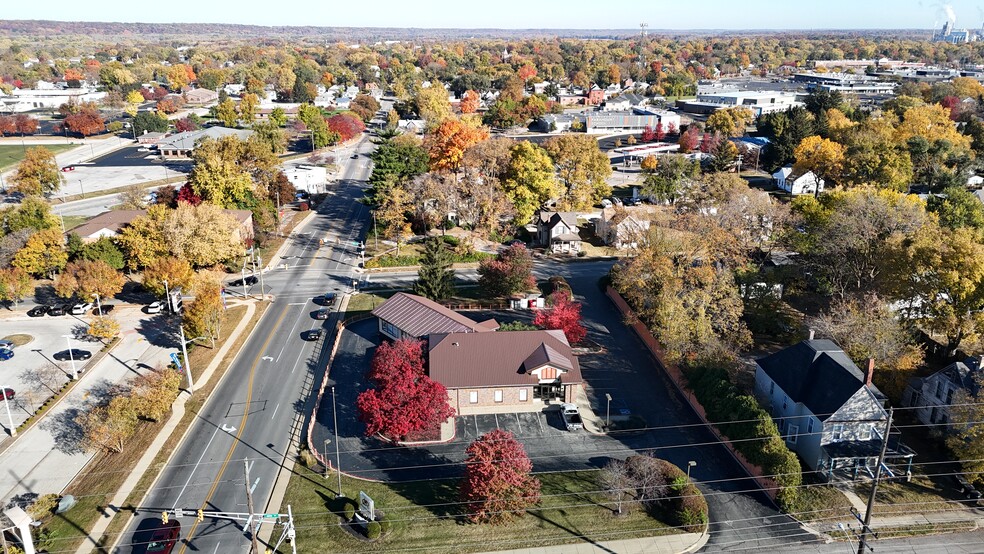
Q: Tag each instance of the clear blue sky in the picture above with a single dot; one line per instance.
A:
(512, 14)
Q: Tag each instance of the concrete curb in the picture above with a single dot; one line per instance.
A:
(276, 258)
(177, 413)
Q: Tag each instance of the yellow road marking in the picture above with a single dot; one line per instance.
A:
(242, 426)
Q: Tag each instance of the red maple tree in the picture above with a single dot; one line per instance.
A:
(508, 273)
(563, 314)
(648, 134)
(660, 132)
(497, 483)
(689, 140)
(86, 121)
(26, 125)
(188, 194)
(186, 124)
(671, 129)
(404, 400)
(347, 125)
(8, 125)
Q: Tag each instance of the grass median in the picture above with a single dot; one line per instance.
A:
(96, 485)
(426, 516)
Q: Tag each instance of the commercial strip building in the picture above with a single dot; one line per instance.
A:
(847, 83)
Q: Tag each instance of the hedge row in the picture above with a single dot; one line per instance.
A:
(388, 260)
(724, 402)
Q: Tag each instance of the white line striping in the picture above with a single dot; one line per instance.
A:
(190, 475)
(275, 411)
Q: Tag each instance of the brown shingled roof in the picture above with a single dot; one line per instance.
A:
(419, 317)
(504, 358)
(112, 220)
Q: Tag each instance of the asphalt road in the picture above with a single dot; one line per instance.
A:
(261, 401)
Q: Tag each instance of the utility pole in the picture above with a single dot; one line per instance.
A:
(865, 530)
(255, 548)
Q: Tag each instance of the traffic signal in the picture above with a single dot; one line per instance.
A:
(201, 516)
(164, 518)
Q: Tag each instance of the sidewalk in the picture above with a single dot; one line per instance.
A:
(177, 413)
(46, 457)
(668, 544)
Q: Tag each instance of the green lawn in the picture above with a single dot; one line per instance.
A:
(425, 516)
(11, 154)
(73, 221)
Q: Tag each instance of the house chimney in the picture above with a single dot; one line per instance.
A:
(870, 372)
(812, 333)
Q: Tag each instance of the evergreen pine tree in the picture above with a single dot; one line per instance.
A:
(435, 278)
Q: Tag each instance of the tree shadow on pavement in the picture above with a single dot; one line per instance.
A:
(160, 330)
(66, 432)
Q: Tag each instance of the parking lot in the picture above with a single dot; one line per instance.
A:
(122, 167)
(33, 372)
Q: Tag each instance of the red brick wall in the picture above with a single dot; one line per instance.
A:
(766, 483)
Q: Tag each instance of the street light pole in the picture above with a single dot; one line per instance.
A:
(326, 457)
(99, 309)
(690, 464)
(167, 295)
(81, 188)
(75, 373)
(184, 352)
(608, 411)
(338, 458)
(6, 403)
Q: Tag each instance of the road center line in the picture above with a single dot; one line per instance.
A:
(275, 411)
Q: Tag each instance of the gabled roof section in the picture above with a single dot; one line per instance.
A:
(818, 374)
(550, 219)
(419, 316)
(500, 359)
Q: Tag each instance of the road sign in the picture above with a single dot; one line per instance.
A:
(174, 358)
(366, 506)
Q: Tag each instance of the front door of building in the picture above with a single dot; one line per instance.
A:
(549, 391)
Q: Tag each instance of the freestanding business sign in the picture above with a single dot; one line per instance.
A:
(366, 506)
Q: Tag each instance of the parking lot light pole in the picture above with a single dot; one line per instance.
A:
(326, 457)
(10, 418)
(338, 458)
(99, 309)
(690, 464)
(608, 411)
(167, 294)
(184, 352)
(75, 373)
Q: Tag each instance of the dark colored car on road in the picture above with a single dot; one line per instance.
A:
(249, 280)
(38, 310)
(313, 334)
(73, 354)
(162, 541)
(57, 310)
(6, 353)
(329, 299)
(6, 393)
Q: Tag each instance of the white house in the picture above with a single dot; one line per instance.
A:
(932, 396)
(797, 183)
(624, 227)
(826, 408)
(415, 126)
(557, 231)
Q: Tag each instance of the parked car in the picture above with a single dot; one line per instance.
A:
(81, 308)
(355, 156)
(313, 334)
(38, 310)
(106, 308)
(8, 344)
(6, 353)
(6, 393)
(572, 416)
(321, 314)
(73, 354)
(155, 307)
(249, 280)
(329, 299)
(163, 539)
(68, 168)
(58, 310)
(633, 201)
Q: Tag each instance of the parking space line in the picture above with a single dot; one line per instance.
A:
(496, 421)
(475, 420)
(519, 424)
(539, 421)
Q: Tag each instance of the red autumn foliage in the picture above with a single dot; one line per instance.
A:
(187, 194)
(7, 125)
(87, 121)
(497, 483)
(671, 129)
(952, 103)
(689, 140)
(660, 132)
(25, 124)
(403, 400)
(469, 102)
(509, 272)
(563, 314)
(184, 124)
(648, 135)
(526, 72)
(347, 125)
(167, 105)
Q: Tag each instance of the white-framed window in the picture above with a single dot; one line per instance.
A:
(864, 433)
(473, 397)
(793, 434)
(523, 395)
(498, 396)
(837, 431)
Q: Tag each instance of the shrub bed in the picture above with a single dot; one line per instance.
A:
(724, 402)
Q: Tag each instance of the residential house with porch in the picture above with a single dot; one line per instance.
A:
(826, 408)
(797, 183)
(505, 371)
(557, 232)
(931, 397)
(624, 227)
(408, 316)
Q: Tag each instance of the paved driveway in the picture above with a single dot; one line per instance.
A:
(742, 516)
